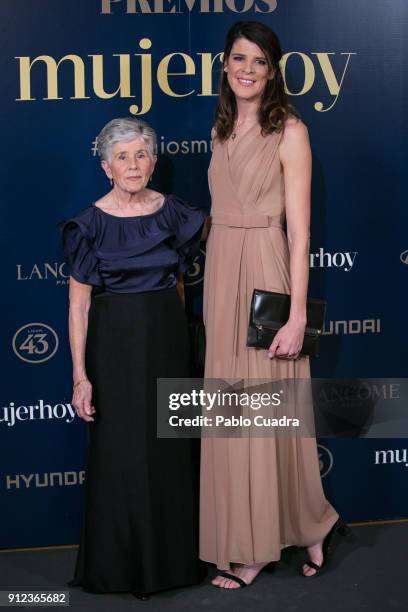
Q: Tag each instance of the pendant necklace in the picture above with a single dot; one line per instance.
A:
(234, 133)
(239, 124)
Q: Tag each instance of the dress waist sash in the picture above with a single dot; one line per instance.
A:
(247, 221)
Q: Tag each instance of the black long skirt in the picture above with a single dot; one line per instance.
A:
(140, 521)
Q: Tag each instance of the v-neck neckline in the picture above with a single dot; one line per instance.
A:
(236, 145)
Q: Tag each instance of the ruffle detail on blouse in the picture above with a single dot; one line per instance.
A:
(175, 222)
(184, 219)
(187, 222)
(99, 247)
(78, 246)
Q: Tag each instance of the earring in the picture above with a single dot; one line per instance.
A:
(151, 176)
(111, 182)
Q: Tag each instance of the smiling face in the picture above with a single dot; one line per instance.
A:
(247, 70)
(131, 166)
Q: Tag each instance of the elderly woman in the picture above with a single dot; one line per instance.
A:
(127, 327)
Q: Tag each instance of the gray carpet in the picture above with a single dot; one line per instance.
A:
(367, 574)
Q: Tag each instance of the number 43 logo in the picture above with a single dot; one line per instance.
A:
(35, 343)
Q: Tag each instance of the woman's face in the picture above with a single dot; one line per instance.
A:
(247, 70)
(130, 167)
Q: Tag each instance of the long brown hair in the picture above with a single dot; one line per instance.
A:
(274, 107)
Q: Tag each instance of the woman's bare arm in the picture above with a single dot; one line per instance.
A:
(296, 159)
(79, 304)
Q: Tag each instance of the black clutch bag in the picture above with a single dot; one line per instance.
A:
(270, 311)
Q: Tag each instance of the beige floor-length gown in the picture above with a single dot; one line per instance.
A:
(258, 495)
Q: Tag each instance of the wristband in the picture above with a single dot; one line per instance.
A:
(80, 381)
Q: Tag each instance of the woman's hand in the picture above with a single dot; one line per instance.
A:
(288, 341)
(82, 400)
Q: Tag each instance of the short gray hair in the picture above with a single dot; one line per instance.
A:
(125, 129)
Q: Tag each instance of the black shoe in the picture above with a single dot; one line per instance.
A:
(242, 583)
(339, 529)
(236, 579)
(141, 596)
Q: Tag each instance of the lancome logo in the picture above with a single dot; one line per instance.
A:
(43, 271)
(141, 72)
(110, 7)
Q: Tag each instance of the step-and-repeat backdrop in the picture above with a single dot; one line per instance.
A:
(67, 68)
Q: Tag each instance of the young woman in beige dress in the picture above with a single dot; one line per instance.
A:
(258, 495)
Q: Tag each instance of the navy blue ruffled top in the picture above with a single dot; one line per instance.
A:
(132, 254)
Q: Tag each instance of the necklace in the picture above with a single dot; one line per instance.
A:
(234, 133)
(239, 125)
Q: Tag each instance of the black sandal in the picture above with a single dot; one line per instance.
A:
(142, 596)
(339, 528)
(236, 579)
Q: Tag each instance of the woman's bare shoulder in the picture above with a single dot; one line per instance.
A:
(295, 140)
(295, 128)
(295, 133)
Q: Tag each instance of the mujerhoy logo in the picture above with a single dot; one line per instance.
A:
(395, 455)
(39, 411)
(324, 259)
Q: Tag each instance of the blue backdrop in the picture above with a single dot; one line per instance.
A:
(68, 67)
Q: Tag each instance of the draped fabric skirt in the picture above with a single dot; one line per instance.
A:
(140, 519)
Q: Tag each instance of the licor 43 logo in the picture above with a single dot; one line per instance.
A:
(404, 257)
(195, 273)
(35, 343)
(325, 460)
